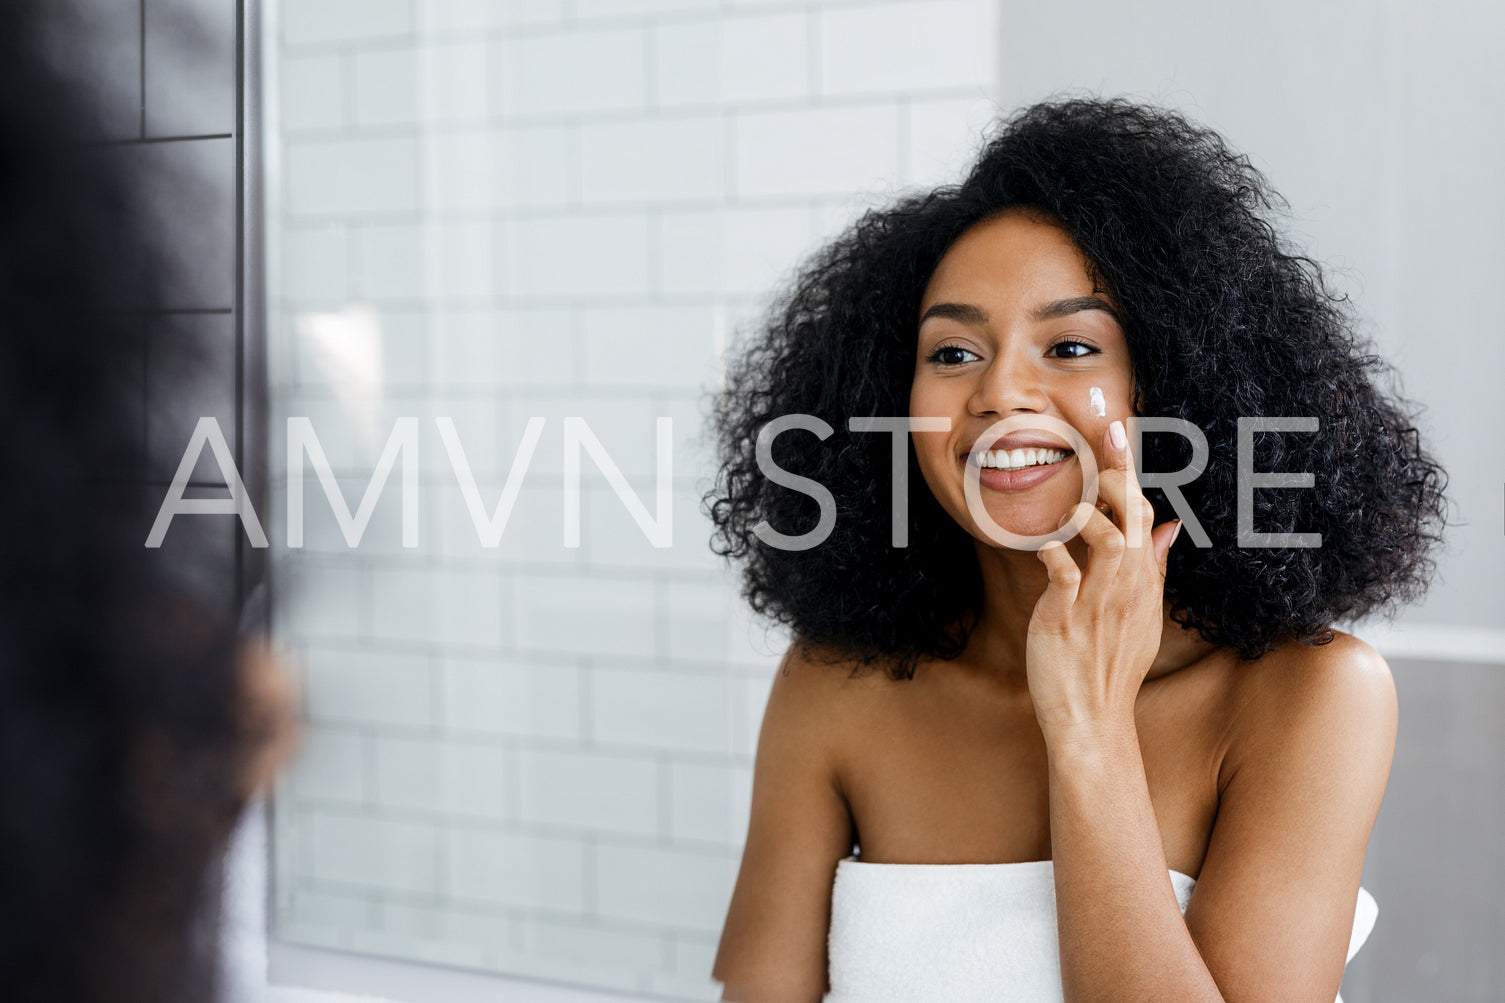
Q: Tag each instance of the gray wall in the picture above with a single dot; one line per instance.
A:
(1434, 862)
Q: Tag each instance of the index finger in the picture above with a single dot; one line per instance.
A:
(1119, 484)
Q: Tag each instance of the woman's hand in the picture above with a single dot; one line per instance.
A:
(1094, 634)
(268, 701)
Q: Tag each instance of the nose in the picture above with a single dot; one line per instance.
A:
(1010, 385)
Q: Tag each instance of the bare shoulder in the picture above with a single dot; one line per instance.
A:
(812, 685)
(773, 942)
(1346, 672)
(820, 705)
(1336, 698)
(819, 670)
(819, 693)
(1303, 779)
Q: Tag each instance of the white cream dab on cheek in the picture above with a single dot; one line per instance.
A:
(1099, 406)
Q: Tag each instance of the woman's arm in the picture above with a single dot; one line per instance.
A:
(1121, 933)
(773, 945)
(1301, 785)
(1272, 911)
(1273, 908)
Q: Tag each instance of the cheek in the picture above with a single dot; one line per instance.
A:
(931, 451)
(1106, 398)
(934, 397)
(925, 405)
(919, 397)
(1100, 402)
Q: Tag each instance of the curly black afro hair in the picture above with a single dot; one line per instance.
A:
(1223, 320)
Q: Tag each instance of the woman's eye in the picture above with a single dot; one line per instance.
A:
(946, 355)
(1072, 349)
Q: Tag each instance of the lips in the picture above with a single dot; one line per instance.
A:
(1021, 478)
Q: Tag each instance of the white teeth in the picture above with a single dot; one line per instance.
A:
(1016, 459)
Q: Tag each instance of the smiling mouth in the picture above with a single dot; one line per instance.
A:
(1019, 459)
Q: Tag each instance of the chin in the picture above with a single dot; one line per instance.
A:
(1028, 526)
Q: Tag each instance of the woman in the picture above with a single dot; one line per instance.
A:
(1153, 759)
(135, 720)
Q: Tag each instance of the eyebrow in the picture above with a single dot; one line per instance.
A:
(966, 313)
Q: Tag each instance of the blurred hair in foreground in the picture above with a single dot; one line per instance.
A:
(129, 723)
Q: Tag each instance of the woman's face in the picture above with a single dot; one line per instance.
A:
(1010, 325)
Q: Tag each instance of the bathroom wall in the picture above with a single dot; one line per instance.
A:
(1434, 862)
(535, 759)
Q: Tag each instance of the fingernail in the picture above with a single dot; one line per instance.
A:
(1063, 520)
(1175, 533)
(1116, 433)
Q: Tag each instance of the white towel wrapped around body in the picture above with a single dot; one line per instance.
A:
(962, 933)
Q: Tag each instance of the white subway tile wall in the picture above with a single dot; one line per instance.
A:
(537, 759)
